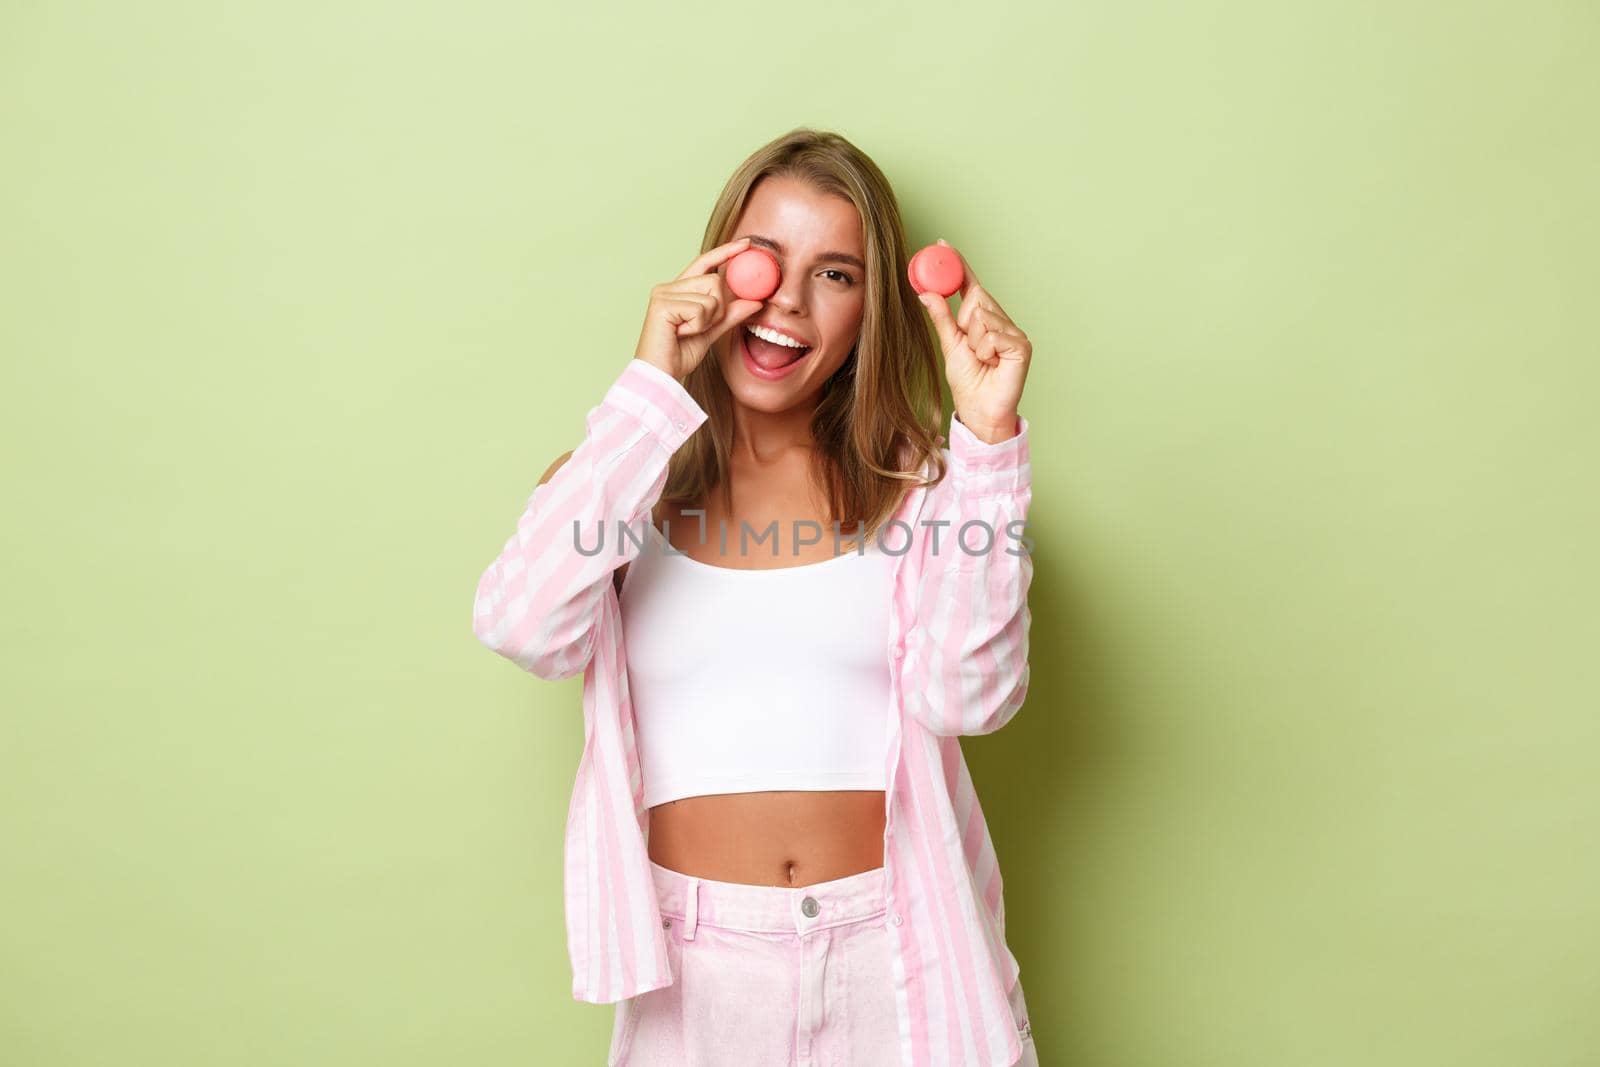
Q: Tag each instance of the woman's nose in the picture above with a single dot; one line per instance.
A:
(790, 294)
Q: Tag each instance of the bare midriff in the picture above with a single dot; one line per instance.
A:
(774, 837)
(787, 837)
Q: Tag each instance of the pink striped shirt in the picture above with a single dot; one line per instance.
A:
(958, 662)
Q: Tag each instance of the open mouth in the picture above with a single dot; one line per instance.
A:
(766, 359)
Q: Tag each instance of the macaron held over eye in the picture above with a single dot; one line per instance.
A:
(753, 274)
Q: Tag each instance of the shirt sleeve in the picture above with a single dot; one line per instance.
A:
(966, 655)
(539, 602)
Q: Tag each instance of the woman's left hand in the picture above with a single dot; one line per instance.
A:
(985, 357)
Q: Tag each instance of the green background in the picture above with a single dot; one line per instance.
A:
(300, 300)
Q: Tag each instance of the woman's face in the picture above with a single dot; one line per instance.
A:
(816, 239)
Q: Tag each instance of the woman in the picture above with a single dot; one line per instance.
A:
(774, 853)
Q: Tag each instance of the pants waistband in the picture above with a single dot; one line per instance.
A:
(773, 909)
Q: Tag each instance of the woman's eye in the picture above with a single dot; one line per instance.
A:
(841, 274)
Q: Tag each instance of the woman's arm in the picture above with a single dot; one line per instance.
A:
(538, 603)
(965, 668)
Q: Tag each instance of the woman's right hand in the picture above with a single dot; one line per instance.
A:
(687, 315)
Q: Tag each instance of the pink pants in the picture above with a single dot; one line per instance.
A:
(771, 976)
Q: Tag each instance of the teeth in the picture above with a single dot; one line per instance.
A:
(773, 336)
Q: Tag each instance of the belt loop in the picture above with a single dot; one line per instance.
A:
(691, 908)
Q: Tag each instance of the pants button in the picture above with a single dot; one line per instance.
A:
(810, 907)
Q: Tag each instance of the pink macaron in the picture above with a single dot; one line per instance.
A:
(937, 269)
(752, 274)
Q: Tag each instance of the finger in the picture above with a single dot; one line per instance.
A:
(734, 314)
(998, 347)
(991, 349)
(991, 320)
(704, 301)
(983, 351)
(994, 315)
(690, 310)
(712, 259)
(939, 312)
(978, 298)
(973, 299)
(712, 285)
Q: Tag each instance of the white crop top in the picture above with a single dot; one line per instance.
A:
(748, 680)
